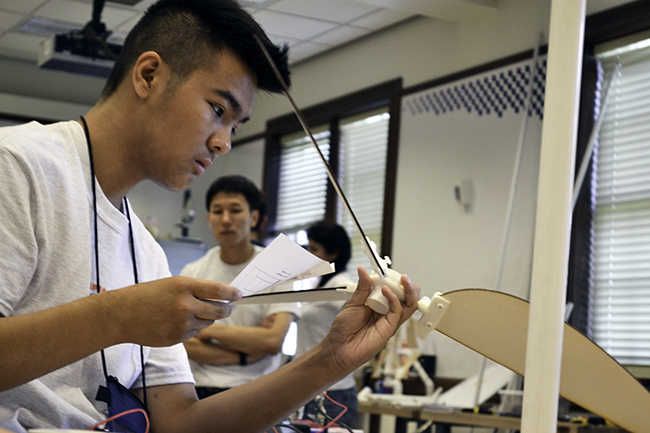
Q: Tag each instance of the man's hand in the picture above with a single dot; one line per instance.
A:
(170, 310)
(358, 333)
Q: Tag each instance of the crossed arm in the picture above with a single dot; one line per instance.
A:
(220, 344)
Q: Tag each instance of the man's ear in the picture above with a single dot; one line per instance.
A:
(255, 216)
(149, 72)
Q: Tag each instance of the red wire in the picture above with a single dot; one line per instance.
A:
(146, 417)
(345, 409)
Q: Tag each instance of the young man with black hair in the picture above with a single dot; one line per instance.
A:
(83, 287)
(247, 344)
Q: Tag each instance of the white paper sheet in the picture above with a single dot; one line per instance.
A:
(281, 261)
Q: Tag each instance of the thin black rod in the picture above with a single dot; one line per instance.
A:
(98, 6)
(332, 178)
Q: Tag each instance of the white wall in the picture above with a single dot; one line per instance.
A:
(445, 245)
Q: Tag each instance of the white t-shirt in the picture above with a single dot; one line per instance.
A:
(211, 267)
(47, 259)
(316, 321)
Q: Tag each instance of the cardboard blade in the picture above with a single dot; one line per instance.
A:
(495, 325)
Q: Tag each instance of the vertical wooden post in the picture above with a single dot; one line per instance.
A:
(553, 221)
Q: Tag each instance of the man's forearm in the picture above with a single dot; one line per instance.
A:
(38, 343)
(157, 313)
(253, 340)
(214, 354)
(254, 406)
(210, 353)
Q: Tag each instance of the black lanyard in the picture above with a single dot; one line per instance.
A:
(132, 243)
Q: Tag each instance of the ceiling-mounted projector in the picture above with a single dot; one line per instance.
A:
(78, 53)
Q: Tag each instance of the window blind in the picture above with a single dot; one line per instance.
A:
(621, 258)
(303, 182)
(302, 191)
(364, 146)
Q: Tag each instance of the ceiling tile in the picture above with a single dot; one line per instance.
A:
(81, 13)
(46, 27)
(382, 18)
(127, 25)
(142, 5)
(450, 10)
(114, 16)
(257, 4)
(304, 50)
(281, 40)
(282, 24)
(10, 19)
(62, 10)
(340, 11)
(20, 6)
(341, 35)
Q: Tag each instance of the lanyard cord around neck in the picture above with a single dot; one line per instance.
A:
(132, 244)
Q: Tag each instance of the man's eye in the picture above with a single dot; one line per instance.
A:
(219, 111)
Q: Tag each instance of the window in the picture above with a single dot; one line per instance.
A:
(605, 31)
(302, 192)
(364, 148)
(357, 136)
(621, 253)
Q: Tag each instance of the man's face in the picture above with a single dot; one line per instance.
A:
(190, 127)
(230, 219)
